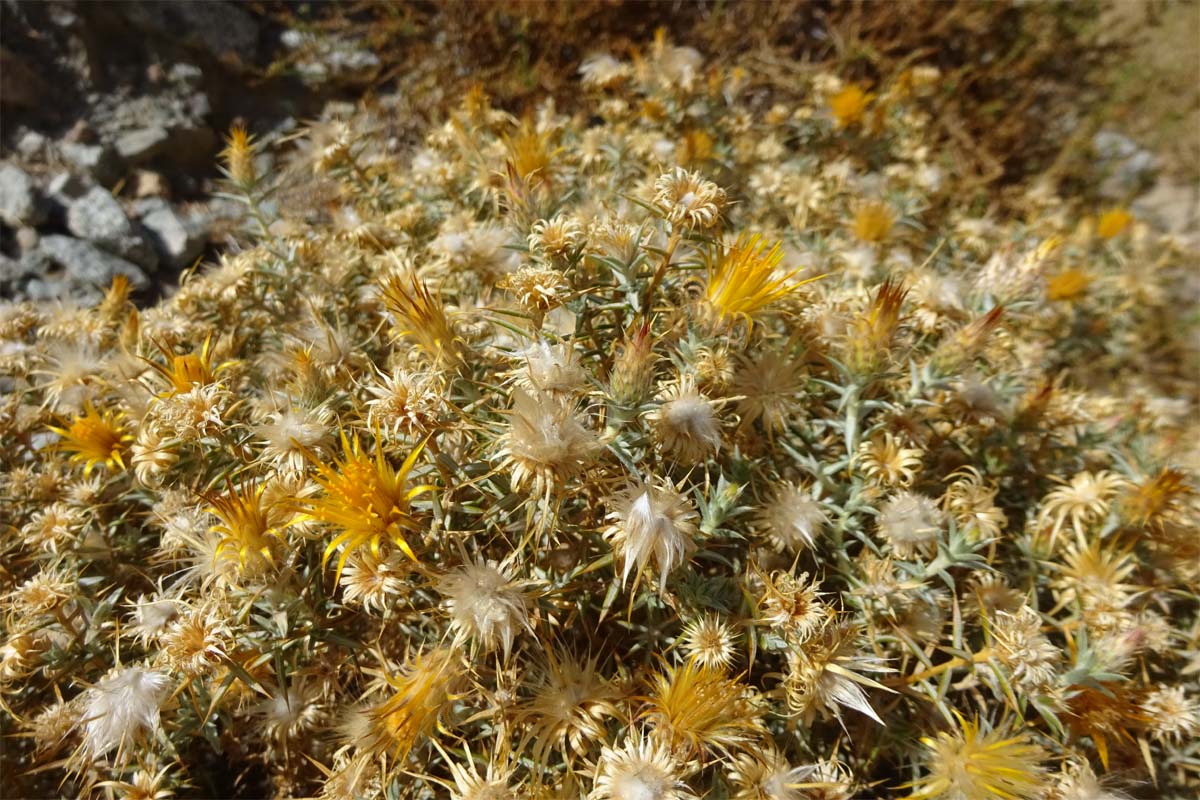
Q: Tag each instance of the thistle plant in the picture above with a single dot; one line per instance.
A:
(687, 445)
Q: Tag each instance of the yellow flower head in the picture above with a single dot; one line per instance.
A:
(95, 437)
(1068, 285)
(743, 281)
(421, 692)
(183, 372)
(849, 105)
(367, 499)
(247, 525)
(873, 222)
(1113, 222)
(238, 156)
(422, 317)
(977, 764)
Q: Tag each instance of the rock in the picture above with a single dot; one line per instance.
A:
(179, 241)
(225, 31)
(1126, 168)
(147, 183)
(66, 187)
(31, 144)
(188, 75)
(99, 218)
(81, 132)
(20, 202)
(27, 240)
(86, 265)
(96, 160)
(140, 146)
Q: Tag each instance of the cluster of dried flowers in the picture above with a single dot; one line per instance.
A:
(686, 446)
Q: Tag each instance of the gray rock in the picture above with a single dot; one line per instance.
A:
(86, 265)
(65, 187)
(27, 239)
(140, 146)
(179, 241)
(95, 160)
(1125, 167)
(188, 75)
(99, 218)
(31, 144)
(224, 30)
(20, 202)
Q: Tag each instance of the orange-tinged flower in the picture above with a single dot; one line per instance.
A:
(849, 105)
(367, 499)
(421, 692)
(238, 156)
(95, 437)
(1113, 222)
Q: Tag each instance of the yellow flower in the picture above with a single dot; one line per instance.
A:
(247, 525)
(849, 105)
(422, 690)
(1068, 285)
(976, 764)
(696, 709)
(1113, 222)
(183, 372)
(95, 438)
(743, 282)
(422, 317)
(238, 156)
(367, 499)
(873, 221)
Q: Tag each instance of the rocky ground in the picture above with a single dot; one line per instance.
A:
(112, 122)
(111, 127)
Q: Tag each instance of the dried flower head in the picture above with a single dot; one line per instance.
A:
(910, 523)
(685, 422)
(406, 402)
(119, 709)
(709, 641)
(689, 200)
(546, 442)
(873, 222)
(421, 316)
(651, 520)
(793, 518)
(770, 386)
(700, 711)
(486, 605)
(643, 768)
(823, 673)
(887, 462)
(570, 704)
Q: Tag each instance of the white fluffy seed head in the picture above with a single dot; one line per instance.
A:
(652, 520)
(121, 707)
(910, 523)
